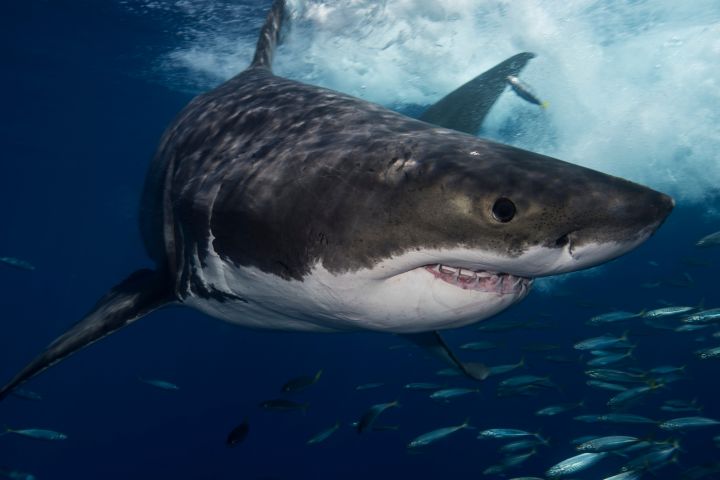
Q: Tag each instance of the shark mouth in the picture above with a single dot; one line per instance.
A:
(481, 280)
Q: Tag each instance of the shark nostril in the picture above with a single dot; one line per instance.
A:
(562, 241)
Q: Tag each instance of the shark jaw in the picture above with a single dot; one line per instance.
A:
(414, 292)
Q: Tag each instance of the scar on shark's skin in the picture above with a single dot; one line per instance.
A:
(275, 204)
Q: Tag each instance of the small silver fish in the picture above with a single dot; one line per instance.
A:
(626, 418)
(691, 327)
(651, 460)
(448, 393)
(704, 316)
(604, 341)
(423, 386)
(495, 470)
(523, 444)
(17, 263)
(632, 394)
(611, 317)
(523, 380)
(501, 369)
(574, 464)
(708, 353)
(431, 437)
(606, 444)
(524, 91)
(687, 423)
(665, 369)
(161, 384)
(26, 394)
(37, 433)
(478, 346)
(610, 375)
(631, 475)
(518, 459)
(322, 436)
(610, 359)
(667, 312)
(16, 474)
(606, 385)
(558, 409)
(505, 433)
(613, 418)
(709, 240)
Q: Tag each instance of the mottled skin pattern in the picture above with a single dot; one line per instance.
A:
(280, 175)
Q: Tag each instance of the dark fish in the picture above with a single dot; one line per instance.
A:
(368, 419)
(283, 405)
(301, 383)
(238, 434)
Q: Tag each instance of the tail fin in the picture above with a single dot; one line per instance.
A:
(465, 108)
(139, 294)
(269, 36)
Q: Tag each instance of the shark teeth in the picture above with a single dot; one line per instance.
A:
(480, 280)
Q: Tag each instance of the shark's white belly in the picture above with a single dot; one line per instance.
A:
(413, 301)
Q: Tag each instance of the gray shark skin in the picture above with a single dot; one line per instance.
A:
(275, 204)
(401, 179)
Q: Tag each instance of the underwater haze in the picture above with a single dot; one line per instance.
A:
(633, 89)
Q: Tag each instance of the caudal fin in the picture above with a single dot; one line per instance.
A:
(139, 294)
(269, 36)
(465, 108)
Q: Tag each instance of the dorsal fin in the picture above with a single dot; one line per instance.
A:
(269, 36)
(465, 108)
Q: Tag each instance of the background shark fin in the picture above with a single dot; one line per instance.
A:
(269, 36)
(434, 343)
(465, 108)
(139, 294)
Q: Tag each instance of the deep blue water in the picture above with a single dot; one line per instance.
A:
(83, 109)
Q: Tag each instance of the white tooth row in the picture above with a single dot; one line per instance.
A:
(462, 272)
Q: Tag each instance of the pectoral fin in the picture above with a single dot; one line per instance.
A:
(434, 343)
(465, 108)
(139, 294)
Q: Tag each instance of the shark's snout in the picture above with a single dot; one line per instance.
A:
(603, 231)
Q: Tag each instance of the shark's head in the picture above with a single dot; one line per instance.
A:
(455, 229)
(430, 229)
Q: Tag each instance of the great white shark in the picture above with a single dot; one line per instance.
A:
(275, 204)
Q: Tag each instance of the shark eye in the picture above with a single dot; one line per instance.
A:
(504, 210)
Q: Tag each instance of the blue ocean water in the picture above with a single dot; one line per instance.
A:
(89, 88)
